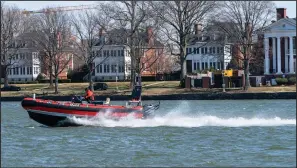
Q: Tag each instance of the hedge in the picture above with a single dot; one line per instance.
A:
(23, 82)
(292, 80)
(281, 81)
(59, 81)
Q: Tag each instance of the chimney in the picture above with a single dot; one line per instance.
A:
(198, 28)
(101, 35)
(150, 35)
(281, 13)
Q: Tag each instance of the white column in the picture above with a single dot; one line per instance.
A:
(200, 63)
(216, 61)
(274, 54)
(291, 56)
(286, 56)
(266, 63)
(279, 56)
(208, 64)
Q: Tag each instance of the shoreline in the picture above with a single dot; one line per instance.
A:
(190, 96)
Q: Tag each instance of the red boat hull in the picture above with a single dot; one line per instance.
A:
(54, 113)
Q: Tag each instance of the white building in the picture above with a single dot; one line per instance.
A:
(282, 33)
(206, 55)
(25, 64)
(112, 61)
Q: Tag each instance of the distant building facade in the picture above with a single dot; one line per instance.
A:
(280, 45)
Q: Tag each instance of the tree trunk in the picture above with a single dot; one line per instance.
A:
(183, 65)
(246, 74)
(91, 86)
(5, 77)
(56, 84)
(51, 72)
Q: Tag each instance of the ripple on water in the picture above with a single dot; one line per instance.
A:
(185, 134)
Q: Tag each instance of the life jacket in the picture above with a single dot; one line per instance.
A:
(89, 94)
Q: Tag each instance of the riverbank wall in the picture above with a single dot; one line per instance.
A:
(199, 96)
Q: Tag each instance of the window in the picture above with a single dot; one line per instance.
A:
(218, 50)
(17, 70)
(198, 50)
(119, 52)
(105, 68)
(210, 50)
(222, 50)
(100, 68)
(100, 53)
(190, 50)
(111, 53)
(206, 65)
(202, 50)
(194, 66)
(122, 53)
(97, 68)
(194, 50)
(202, 65)
(205, 50)
(113, 68)
(219, 65)
(17, 56)
(214, 50)
(104, 53)
(114, 53)
(210, 64)
(107, 53)
(28, 70)
(198, 65)
(214, 64)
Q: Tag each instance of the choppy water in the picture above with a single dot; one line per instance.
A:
(183, 133)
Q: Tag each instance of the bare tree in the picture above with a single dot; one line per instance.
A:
(52, 36)
(11, 29)
(132, 17)
(245, 18)
(88, 31)
(179, 18)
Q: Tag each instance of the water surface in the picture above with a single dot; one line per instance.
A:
(183, 133)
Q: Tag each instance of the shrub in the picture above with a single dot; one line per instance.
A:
(182, 83)
(59, 81)
(23, 82)
(292, 80)
(40, 77)
(281, 81)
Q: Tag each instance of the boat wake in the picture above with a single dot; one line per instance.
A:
(170, 120)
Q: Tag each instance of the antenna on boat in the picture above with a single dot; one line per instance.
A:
(34, 95)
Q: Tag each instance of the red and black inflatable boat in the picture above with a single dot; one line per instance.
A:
(54, 113)
(58, 114)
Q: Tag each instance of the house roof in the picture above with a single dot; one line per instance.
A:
(120, 37)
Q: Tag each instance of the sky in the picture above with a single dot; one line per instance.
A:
(36, 5)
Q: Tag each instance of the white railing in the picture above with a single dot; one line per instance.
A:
(294, 52)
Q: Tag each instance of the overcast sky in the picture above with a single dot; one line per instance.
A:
(36, 5)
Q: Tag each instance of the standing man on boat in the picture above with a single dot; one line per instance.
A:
(89, 95)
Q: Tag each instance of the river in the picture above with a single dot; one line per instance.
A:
(196, 133)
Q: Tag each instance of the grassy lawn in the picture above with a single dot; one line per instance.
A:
(149, 88)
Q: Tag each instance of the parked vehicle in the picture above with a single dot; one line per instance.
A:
(100, 86)
(11, 88)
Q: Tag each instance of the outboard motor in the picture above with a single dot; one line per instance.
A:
(149, 109)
